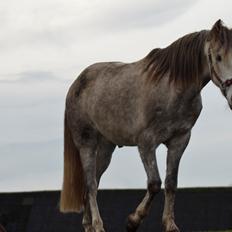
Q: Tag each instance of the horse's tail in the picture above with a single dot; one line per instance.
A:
(73, 192)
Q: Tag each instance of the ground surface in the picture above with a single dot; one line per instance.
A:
(198, 210)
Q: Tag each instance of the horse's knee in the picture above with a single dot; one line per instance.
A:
(154, 187)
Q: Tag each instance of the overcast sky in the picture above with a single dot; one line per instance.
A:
(45, 44)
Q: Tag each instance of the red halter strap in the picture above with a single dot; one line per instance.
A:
(228, 83)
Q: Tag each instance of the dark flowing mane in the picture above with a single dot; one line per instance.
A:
(183, 60)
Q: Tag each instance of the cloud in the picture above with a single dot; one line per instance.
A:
(31, 110)
(59, 24)
(36, 162)
(30, 156)
(58, 36)
(45, 42)
(129, 15)
(39, 76)
(31, 76)
(32, 89)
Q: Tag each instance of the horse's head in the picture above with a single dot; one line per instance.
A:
(219, 50)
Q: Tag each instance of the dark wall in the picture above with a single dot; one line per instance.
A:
(196, 210)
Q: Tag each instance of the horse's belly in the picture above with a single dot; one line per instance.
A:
(121, 136)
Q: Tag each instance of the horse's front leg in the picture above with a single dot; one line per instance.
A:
(148, 157)
(176, 147)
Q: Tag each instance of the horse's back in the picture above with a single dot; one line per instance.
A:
(106, 95)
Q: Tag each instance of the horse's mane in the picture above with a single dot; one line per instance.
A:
(183, 60)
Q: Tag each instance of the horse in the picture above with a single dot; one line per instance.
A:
(153, 101)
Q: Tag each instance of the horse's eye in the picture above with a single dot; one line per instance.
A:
(218, 58)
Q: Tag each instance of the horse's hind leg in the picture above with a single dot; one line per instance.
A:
(87, 219)
(104, 154)
(154, 185)
(176, 147)
(103, 158)
(88, 158)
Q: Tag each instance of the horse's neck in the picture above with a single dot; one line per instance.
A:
(205, 80)
(205, 76)
(194, 90)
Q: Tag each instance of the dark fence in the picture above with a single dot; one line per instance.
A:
(199, 209)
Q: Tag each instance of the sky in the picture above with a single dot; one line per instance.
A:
(45, 44)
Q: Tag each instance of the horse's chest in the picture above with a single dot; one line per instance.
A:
(176, 120)
(181, 122)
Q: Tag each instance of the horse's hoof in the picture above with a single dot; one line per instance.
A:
(99, 230)
(132, 225)
(89, 229)
(171, 227)
(173, 230)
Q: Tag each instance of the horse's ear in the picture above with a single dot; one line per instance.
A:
(217, 32)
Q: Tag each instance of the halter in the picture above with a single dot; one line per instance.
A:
(223, 85)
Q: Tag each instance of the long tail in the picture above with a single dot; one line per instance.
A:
(72, 195)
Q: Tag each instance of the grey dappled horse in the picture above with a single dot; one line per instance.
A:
(153, 101)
